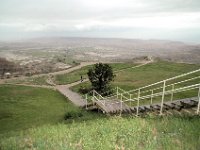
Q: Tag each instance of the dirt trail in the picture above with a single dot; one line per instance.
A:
(74, 97)
(31, 85)
(82, 64)
(143, 64)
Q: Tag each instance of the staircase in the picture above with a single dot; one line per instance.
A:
(162, 97)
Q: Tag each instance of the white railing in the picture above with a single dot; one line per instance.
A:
(152, 91)
(95, 97)
(139, 94)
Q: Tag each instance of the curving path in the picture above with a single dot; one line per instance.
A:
(82, 64)
(74, 97)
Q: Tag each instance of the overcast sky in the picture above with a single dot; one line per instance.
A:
(140, 19)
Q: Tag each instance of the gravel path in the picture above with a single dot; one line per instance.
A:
(82, 64)
(75, 98)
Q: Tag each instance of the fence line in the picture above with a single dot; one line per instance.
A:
(137, 95)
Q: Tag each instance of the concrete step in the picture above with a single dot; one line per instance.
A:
(177, 106)
(188, 104)
(114, 107)
(93, 107)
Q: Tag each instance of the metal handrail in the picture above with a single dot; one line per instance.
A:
(170, 91)
(169, 79)
(103, 103)
(120, 92)
(168, 85)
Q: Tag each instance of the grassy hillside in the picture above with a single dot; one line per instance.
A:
(76, 75)
(171, 133)
(41, 80)
(133, 78)
(25, 107)
(72, 76)
(137, 77)
(37, 118)
(150, 73)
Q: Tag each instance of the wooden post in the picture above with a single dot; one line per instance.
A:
(138, 102)
(163, 96)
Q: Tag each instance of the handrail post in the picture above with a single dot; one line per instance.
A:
(93, 96)
(163, 96)
(151, 96)
(117, 92)
(93, 93)
(86, 98)
(199, 101)
(138, 102)
(121, 106)
(172, 94)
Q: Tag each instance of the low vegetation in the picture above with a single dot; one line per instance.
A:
(100, 77)
(24, 107)
(41, 80)
(72, 76)
(129, 79)
(76, 75)
(112, 133)
(37, 118)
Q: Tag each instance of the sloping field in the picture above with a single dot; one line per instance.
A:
(36, 118)
(173, 133)
(132, 78)
(24, 107)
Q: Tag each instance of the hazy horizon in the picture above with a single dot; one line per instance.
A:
(172, 20)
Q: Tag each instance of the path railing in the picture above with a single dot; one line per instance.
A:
(95, 97)
(168, 87)
(181, 83)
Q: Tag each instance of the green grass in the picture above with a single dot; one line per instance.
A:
(150, 73)
(24, 107)
(76, 75)
(33, 118)
(170, 133)
(72, 76)
(134, 78)
(137, 77)
(30, 80)
(67, 78)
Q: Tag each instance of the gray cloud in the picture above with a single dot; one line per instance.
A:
(104, 18)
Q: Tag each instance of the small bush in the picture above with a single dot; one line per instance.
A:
(84, 90)
(72, 115)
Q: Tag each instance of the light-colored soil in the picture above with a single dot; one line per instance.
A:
(82, 64)
(72, 96)
(75, 98)
(31, 85)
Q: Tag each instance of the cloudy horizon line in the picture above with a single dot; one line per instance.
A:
(136, 19)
